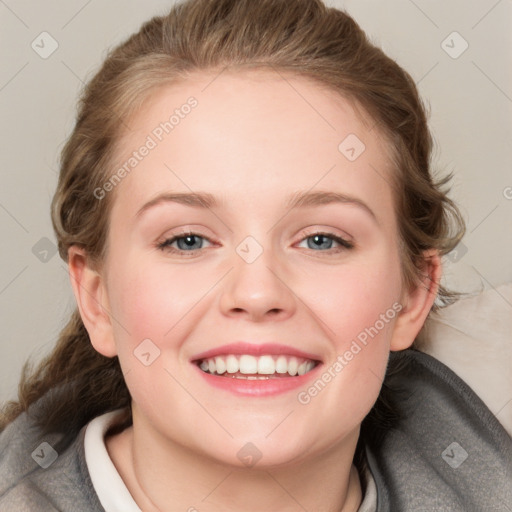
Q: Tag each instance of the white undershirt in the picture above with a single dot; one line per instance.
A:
(108, 484)
(112, 491)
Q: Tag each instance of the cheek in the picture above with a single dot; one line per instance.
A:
(354, 297)
(150, 302)
(358, 309)
(350, 381)
(149, 308)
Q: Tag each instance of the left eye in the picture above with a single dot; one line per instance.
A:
(325, 241)
(189, 242)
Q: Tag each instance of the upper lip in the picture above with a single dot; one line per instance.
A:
(256, 349)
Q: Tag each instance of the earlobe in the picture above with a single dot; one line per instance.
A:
(92, 301)
(417, 303)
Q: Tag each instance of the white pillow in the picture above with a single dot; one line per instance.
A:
(473, 337)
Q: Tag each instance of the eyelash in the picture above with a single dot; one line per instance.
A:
(165, 245)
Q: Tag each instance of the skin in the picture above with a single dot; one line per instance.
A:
(252, 141)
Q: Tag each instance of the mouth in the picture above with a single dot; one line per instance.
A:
(256, 369)
(262, 367)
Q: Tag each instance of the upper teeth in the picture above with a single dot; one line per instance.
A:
(264, 365)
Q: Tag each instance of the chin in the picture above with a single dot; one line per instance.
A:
(260, 451)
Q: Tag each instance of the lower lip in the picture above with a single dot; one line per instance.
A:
(257, 387)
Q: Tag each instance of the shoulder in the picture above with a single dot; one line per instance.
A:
(429, 389)
(43, 472)
(446, 451)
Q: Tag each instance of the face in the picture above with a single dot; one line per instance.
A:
(254, 238)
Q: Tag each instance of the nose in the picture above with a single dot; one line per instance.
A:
(258, 291)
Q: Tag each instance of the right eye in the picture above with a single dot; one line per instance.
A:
(186, 243)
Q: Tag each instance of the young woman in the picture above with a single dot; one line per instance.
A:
(254, 238)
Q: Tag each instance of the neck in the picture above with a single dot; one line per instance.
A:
(164, 476)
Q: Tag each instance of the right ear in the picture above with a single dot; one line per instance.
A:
(92, 300)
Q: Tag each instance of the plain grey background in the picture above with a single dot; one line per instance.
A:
(458, 52)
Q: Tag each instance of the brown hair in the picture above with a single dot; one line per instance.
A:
(298, 36)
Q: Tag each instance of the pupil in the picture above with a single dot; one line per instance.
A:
(322, 241)
(188, 241)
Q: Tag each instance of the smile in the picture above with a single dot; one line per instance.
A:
(246, 366)
(256, 369)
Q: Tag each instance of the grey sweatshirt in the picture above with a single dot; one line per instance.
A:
(446, 453)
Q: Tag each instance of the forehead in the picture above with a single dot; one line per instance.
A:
(251, 130)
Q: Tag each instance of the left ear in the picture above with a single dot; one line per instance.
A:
(417, 303)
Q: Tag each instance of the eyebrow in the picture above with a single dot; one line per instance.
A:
(195, 199)
(297, 200)
(304, 199)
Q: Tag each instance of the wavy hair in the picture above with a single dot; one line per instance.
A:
(299, 36)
